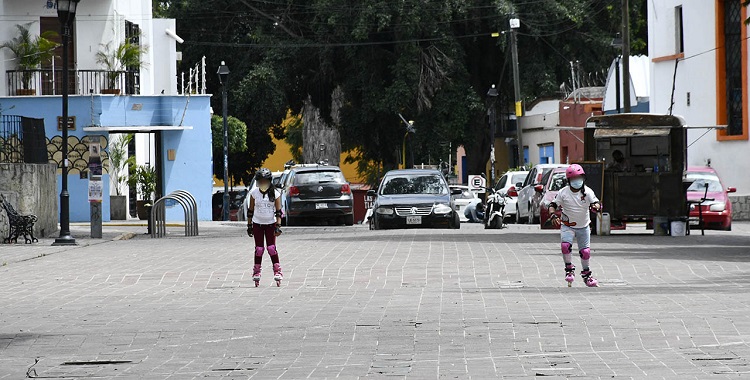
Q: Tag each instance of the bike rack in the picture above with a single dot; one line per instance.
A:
(159, 213)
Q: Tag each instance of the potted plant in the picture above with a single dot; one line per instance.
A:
(118, 163)
(143, 177)
(30, 52)
(118, 59)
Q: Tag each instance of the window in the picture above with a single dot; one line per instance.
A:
(679, 39)
(502, 182)
(525, 155)
(546, 154)
(731, 70)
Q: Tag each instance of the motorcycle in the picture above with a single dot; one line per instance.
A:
(494, 213)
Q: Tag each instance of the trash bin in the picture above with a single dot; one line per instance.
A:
(677, 228)
(603, 224)
(661, 225)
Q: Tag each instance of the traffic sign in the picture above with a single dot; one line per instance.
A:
(477, 183)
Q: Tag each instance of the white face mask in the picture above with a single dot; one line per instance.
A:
(264, 187)
(576, 183)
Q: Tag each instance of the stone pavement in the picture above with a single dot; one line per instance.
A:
(359, 303)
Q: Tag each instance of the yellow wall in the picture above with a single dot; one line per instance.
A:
(282, 154)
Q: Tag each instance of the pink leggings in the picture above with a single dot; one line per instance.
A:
(267, 231)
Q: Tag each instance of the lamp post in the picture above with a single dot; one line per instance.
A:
(66, 13)
(223, 74)
(409, 129)
(514, 25)
(492, 115)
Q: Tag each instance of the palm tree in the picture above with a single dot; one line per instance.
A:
(126, 55)
(30, 51)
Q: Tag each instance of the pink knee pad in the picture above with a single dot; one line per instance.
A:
(272, 250)
(259, 251)
(585, 253)
(567, 248)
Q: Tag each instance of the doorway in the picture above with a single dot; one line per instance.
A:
(52, 70)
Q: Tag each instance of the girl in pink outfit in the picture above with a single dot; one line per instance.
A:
(264, 221)
(575, 202)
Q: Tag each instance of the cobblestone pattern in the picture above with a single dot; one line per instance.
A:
(358, 303)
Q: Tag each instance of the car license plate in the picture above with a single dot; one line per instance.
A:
(413, 220)
(319, 206)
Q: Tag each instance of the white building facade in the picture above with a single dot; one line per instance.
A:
(706, 40)
(541, 138)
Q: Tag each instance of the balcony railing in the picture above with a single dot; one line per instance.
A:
(82, 82)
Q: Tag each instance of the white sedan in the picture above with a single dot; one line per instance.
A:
(462, 200)
(507, 185)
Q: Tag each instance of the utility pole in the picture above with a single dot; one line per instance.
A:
(626, 55)
(515, 24)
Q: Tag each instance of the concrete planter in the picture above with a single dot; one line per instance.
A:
(118, 207)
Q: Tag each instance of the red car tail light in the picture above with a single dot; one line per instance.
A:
(293, 191)
(346, 189)
(512, 192)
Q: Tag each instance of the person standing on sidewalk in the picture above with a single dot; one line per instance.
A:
(264, 222)
(575, 201)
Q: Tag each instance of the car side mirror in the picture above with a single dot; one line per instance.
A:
(372, 193)
(519, 185)
(539, 188)
(456, 192)
(731, 189)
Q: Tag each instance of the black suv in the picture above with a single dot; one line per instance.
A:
(317, 192)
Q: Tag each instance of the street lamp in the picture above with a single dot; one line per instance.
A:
(223, 75)
(492, 115)
(66, 13)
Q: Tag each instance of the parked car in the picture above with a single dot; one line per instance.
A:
(507, 185)
(414, 198)
(242, 213)
(235, 201)
(463, 199)
(553, 182)
(318, 192)
(717, 214)
(525, 211)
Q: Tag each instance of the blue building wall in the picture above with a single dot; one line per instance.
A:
(191, 169)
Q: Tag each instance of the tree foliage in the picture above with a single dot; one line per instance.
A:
(430, 60)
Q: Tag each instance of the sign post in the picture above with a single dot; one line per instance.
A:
(96, 189)
(477, 183)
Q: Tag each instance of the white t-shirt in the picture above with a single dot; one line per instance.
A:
(264, 210)
(575, 207)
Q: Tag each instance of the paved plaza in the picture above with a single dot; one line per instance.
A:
(369, 304)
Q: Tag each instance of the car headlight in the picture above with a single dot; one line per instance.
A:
(718, 207)
(384, 211)
(441, 209)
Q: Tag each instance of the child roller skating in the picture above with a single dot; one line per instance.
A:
(575, 201)
(264, 221)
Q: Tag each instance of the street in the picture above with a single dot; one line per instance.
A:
(466, 303)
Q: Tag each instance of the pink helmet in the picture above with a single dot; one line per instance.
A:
(574, 170)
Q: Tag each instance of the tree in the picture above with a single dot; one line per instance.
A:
(430, 60)
(237, 138)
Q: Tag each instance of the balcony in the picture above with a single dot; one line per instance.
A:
(82, 82)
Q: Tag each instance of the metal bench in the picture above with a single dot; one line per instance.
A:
(20, 225)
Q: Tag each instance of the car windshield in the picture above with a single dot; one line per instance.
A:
(316, 177)
(701, 179)
(558, 182)
(518, 178)
(465, 194)
(414, 184)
